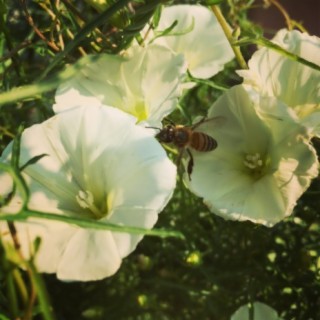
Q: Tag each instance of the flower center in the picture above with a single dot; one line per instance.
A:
(255, 163)
(140, 111)
(86, 201)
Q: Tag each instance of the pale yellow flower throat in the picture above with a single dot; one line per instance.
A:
(86, 201)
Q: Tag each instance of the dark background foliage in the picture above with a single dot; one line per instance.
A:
(222, 264)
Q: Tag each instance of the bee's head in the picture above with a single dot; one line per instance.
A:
(166, 135)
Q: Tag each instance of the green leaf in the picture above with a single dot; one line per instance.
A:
(33, 160)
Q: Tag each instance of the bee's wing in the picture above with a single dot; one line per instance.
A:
(217, 122)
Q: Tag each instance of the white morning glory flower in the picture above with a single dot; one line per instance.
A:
(198, 36)
(145, 82)
(295, 84)
(260, 167)
(98, 165)
(261, 311)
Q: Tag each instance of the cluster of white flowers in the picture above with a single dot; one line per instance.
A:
(101, 162)
(148, 81)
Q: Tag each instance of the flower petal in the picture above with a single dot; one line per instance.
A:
(133, 217)
(276, 75)
(98, 165)
(205, 47)
(232, 184)
(295, 84)
(145, 82)
(51, 246)
(48, 182)
(261, 311)
(89, 255)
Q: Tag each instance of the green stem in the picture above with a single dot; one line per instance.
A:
(20, 285)
(16, 149)
(269, 44)
(26, 213)
(275, 47)
(251, 311)
(42, 294)
(208, 83)
(101, 19)
(12, 297)
(87, 223)
(25, 92)
(37, 89)
(228, 32)
(18, 181)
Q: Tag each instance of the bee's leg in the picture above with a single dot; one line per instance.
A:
(179, 158)
(190, 164)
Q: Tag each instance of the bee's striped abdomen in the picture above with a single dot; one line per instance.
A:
(202, 142)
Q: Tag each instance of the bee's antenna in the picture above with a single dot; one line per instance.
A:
(154, 128)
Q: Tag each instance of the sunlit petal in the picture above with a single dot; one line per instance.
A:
(198, 36)
(89, 255)
(98, 165)
(260, 167)
(292, 82)
(144, 82)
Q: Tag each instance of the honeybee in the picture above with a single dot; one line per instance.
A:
(186, 138)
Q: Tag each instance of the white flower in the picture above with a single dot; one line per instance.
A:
(98, 165)
(261, 311)
(295, 84)
(198, 36)
(259, 169)
(145, 83)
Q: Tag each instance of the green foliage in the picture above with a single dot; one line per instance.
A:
(219, 265)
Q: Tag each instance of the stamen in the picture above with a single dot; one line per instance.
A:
(86, 201)
(254, 162)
